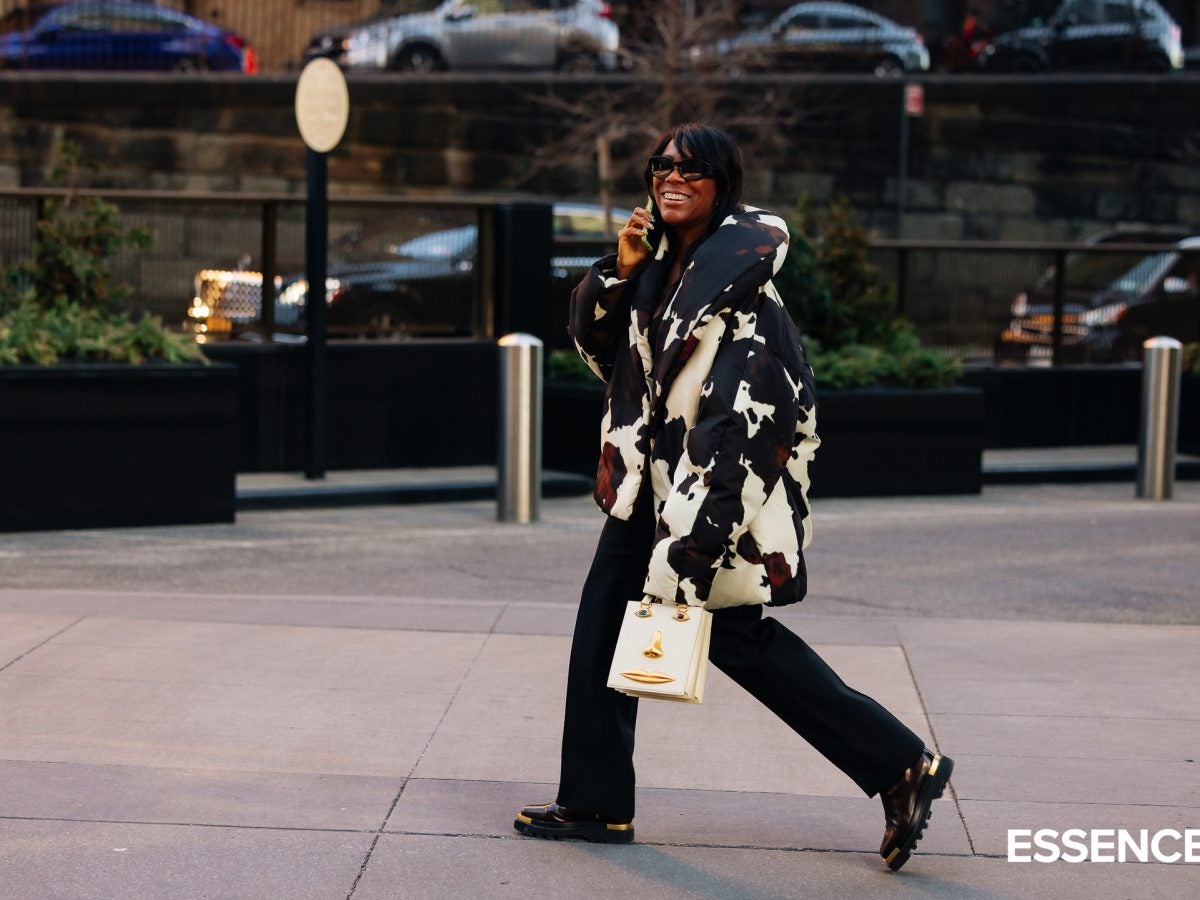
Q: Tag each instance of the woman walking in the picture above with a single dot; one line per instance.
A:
(709, 426)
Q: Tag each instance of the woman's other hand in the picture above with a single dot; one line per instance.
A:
(631, 248)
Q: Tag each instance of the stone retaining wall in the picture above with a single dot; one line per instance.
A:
(1014, 158)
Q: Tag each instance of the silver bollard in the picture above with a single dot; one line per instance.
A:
(519, 487)
(1162, 361)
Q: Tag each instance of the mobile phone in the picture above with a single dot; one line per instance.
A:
(646, 236)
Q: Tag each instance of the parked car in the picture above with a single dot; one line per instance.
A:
(22, 17)
(1112, 301)
(378, 287)
(836, 37)
(484, 34)
(124, 34)
(1091, 34)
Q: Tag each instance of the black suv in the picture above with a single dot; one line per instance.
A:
(1091, 34)
(1112, 301)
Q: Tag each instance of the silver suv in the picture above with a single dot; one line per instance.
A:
(435, 35)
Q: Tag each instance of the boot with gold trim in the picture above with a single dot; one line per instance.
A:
(907, 806)
(549, 820)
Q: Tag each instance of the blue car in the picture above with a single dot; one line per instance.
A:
(103, 34)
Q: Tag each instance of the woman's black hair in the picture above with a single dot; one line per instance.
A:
(717, 149)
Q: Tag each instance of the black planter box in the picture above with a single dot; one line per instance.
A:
(874, 442)
(1062, 406)
(391, 404)
(894, 441)
(93, 446)
(1189, 413)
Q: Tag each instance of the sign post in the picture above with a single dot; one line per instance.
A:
(912, 108)
(322, 111)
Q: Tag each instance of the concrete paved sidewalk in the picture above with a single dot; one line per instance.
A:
(354, 702)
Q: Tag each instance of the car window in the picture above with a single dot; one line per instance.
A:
(531, 6)
(134, 23)
(1118, 11)
(1092, 271)
(805, 21)
(488, 7)
(407, 7)
(440, 245)
(1142, 275)
(83, 20)
(1081, 12)
(842, 20)
(1188, 268)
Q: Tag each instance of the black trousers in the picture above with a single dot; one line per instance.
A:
(779, 669)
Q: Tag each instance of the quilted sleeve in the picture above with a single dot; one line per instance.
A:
(734, 454)
(599, 322)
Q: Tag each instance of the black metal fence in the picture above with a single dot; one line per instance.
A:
(1047, 303)
(229, 266)
(232, 265)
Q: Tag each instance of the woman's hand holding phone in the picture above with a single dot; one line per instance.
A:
(633, 243)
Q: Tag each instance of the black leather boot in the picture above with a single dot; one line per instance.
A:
(549, 820)
(906, 806)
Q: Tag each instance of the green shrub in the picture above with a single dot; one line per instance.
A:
(1191, 357)
(846, 311)
(902, 363)
(567, 365)
(69, 332)
(63, 303)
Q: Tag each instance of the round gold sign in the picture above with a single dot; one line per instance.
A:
(322, 105)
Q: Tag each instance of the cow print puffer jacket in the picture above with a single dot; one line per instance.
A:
(711, 397)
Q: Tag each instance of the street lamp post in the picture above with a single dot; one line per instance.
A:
(322, 111)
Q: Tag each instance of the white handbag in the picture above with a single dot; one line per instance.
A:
(662, 653)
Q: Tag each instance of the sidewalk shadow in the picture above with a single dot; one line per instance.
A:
(683, 878)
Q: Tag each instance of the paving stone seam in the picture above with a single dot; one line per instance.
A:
(1109, 803)
(1062, 758)
(38, 646)
(687, 845)
(420, 756)
(170, 824)
(933, 733)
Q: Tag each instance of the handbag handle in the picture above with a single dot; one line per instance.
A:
(644, 612)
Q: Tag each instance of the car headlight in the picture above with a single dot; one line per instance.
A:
(1104, 315)
(294, 294)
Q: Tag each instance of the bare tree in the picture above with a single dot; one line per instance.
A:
(681, 69)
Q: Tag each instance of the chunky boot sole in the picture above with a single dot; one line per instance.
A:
(933, 787)
(596, 832)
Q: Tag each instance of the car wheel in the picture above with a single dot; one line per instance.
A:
(1156, 63)
(420, 58)
(578, 61)
(1026, 62)
(889, 67)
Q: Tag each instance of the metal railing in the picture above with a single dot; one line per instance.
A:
(1047, 303)
(224, 264)
(221, 265)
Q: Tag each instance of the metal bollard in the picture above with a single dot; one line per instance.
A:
(519, 487)
(1161, 366)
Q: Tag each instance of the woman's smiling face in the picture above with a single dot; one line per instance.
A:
(684, 205)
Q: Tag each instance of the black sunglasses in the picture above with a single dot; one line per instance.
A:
(689, 169)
